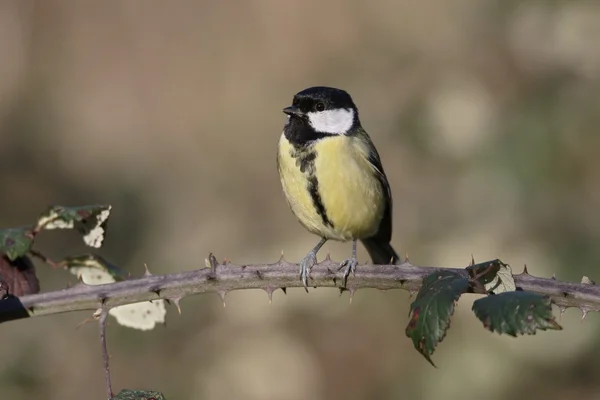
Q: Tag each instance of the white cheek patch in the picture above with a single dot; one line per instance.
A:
(287, 121)
(337, 122)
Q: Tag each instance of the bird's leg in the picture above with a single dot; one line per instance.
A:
(350, 264)
(308, 262)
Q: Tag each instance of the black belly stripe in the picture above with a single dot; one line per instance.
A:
(313, 189)
(305, 156)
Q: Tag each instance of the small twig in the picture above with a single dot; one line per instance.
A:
(105, 357)
(43, 258)
(212, 262)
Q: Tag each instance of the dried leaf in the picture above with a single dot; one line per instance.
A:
(95, 270)
(90, 221)
(495, 277)
(503, 282)
(19, 276)
(3, 288)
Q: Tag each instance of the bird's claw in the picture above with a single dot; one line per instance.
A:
(305, 266)
(350, 265)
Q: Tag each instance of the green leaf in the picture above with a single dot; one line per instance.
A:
(90, 221)
(495, 277)
(16, 242)
(431, 311)
(127, 394)
(516, 313)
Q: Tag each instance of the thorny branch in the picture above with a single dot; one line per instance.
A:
(222, 278)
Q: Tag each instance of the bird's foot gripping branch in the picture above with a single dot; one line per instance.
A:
(511, 304)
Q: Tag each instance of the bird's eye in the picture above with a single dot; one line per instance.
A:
(320, 106)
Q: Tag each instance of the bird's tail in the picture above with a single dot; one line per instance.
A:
(381, 252)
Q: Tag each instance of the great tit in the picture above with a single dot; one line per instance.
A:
(333, 179)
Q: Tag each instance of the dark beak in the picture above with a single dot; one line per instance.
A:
(293, 110)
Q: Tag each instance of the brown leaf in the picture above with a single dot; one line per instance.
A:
(19, 276)
(3, 289)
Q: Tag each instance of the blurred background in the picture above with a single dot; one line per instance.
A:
(486, 115)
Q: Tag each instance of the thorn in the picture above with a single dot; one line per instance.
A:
(80, 279)
(472, 260)
(225, 261)
(328, 256)
(406, 260)
(281, 259)
(147, 271)
(157, 291)
(269, 291)
(584, 312)
(352, 290)
(553, 276)
(587, 281)
(222, 294)
(175, 300)
(411, 293)
(94, 317)
(562, 310)
(525, 270)
(284, 290)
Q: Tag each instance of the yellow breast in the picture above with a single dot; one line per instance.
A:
(352, 196)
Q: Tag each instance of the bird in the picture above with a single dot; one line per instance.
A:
(333, 179)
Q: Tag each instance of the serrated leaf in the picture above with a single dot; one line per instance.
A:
(431, 311)
(18, 276)
(90, 221)
(16, 242)
(516, 313)
(95, 270)
(127, 394)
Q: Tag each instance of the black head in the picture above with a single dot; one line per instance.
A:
(318, 112)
